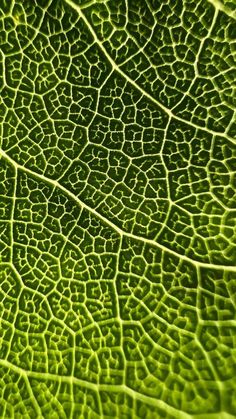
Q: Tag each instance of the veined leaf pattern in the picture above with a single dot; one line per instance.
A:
(117, 209)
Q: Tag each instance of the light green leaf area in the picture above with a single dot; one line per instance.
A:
(117, 209)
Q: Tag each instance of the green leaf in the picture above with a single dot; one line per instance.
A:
(117, 209)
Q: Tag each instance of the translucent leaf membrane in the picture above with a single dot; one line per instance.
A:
(117, 209)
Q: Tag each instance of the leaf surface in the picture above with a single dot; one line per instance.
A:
(117, 209)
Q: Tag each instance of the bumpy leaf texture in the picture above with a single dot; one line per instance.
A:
(117, 209)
